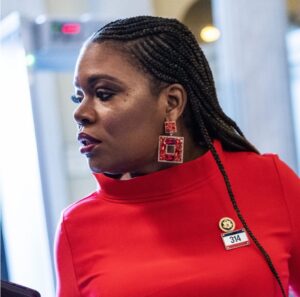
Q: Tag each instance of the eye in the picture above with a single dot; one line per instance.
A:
(76, 99)
(104, 95)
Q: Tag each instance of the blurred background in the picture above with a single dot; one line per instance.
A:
(253, 48)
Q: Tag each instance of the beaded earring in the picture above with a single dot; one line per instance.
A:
(170, 148)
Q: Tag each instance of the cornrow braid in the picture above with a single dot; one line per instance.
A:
(237, 209)
(168, 52)
(150, 48)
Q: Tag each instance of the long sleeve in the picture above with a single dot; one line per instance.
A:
(291, 189)
(66, 278)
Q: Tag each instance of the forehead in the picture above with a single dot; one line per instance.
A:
(104, 59)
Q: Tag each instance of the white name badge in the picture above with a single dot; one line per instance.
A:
(235, 239)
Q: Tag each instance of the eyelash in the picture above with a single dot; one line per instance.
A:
(102, 95)
(76, 99)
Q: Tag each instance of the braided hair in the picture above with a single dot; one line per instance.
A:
(167, 52)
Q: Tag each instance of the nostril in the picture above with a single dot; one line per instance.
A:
(80, 126)
(82, 123)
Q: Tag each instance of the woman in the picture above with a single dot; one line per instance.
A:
(223, 223)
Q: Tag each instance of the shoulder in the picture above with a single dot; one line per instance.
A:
(80, 207)
(262, 172)
(249, 164)
(251, 159)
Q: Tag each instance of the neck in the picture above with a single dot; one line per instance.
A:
(191, 152)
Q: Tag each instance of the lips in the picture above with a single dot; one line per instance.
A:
(88, 143)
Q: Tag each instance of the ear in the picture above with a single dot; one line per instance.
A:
(176, 101)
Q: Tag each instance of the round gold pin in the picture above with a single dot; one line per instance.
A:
(227, 224)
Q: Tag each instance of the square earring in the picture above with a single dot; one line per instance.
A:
(170, 148)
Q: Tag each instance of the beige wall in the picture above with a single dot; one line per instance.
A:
(171, 8)
(66, 8)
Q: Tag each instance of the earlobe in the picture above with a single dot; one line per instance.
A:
(176, 101)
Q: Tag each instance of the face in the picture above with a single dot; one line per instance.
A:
(119, 117)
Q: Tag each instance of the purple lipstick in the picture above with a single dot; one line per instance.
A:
(88, 143)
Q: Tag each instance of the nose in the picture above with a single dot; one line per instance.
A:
(85, 113)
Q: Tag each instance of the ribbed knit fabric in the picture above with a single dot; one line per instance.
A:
(157, 235)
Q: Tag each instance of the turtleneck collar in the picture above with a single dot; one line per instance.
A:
(161, 183)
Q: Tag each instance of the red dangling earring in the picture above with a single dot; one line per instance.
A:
(170, 148)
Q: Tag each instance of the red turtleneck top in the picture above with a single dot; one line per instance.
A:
(158, 236)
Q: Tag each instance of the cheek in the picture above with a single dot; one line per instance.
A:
(119, 124)
(138, 126)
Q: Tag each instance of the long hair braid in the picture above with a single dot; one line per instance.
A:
(168, 52)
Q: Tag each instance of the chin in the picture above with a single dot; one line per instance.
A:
(96, 167)
(96, 170)
(112, 166)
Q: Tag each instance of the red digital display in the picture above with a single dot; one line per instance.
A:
(70, 28)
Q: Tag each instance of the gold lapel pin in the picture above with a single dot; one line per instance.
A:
(227, 224)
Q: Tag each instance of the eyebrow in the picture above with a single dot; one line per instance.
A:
(95, 77)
